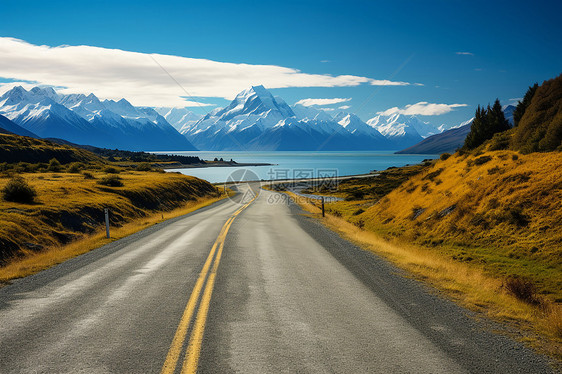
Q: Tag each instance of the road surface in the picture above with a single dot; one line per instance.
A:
(249, 286)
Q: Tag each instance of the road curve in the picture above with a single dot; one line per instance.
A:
(250, 286)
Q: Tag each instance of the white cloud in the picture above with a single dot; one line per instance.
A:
(344, 107)
(422, 108)
(376, 82)
(465, 53)
(150, 79)
(311, 102)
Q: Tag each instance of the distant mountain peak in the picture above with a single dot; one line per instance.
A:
(16, 93)
(45, 91)
(86, 120)
(254, 101)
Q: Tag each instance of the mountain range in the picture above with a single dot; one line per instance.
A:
(85, 119)
(254, 120)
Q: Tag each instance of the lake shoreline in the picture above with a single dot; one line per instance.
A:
(214, 165)
(267, 165)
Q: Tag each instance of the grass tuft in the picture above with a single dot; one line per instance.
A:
(523, 289)
(19, 191)
(111, 181)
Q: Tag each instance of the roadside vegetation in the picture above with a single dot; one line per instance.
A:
(483, 224)
(52, 209)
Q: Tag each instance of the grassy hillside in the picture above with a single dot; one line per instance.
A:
(69, 206)
(15, 148)
(540, 128)
(498, 210)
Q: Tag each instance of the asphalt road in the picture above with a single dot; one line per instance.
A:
(249, 287)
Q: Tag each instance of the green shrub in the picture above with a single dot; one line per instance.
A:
(75, 167)
(482, 160)
(111, 181)
(144, 166)
(17, 190)
(88, 175)
(355, 195)
(54, 166)
(444, 156)
(111, 170)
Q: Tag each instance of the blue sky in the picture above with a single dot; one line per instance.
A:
(508, 45)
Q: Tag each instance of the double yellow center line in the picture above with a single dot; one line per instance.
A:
(193, 352)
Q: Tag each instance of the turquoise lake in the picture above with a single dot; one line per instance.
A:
(297, 164)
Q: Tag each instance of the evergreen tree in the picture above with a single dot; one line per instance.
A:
(486, 123)
(473, 139)
(523, 104)
(496, 118)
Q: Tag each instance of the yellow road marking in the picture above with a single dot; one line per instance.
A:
(194, 347)
(179, 337)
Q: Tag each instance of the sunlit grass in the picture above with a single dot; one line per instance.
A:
(67, 218)
(32, 262)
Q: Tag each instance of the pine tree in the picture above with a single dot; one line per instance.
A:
(486, 123)
(523, 104)
(473, 139)
(496, 118)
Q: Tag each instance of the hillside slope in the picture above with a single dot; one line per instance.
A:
(448, 141)
(500, 210)
(15, 148)
(540, 128)
(11, 127)
(68, 206)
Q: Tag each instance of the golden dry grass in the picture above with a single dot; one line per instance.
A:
(67, 218)
(31, 262)
(15, 148)
(503, 215)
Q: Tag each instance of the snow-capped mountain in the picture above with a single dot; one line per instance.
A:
(399, 125)
(87, 120)
(179, 117)
(252, 107)
(252, 112)
(307, 113)
(354, 125)
(444, 127)
(399, 129)
(255, 120)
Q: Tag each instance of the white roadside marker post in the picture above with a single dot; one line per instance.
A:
(106, 211)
